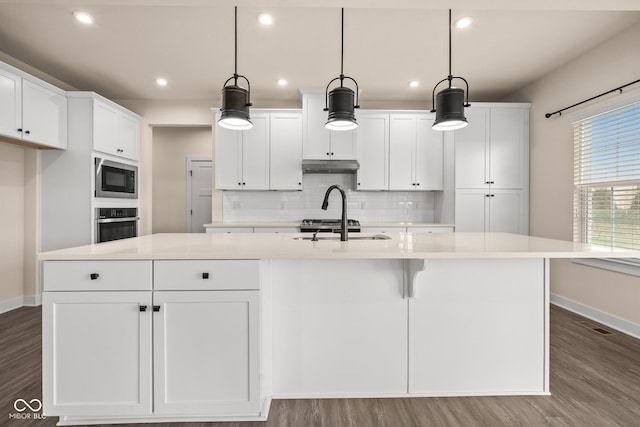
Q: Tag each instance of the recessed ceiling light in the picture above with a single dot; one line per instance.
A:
(282, 82)
(265, 19)
(160, 81)
(84, 17)
(463, 22)
(414, 83)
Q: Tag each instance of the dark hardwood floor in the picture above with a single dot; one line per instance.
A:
(595, 381)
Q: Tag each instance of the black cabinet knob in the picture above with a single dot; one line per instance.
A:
(205, 275)
(94, 276)
(27, 132)
(156, 308)
(327, 154)
(143, 308)
(418, 183)
(299, 183)
(20, 130)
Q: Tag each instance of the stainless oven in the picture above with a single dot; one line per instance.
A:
(116, 223)
(116, 180)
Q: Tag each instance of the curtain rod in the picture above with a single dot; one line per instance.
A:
(591, 99)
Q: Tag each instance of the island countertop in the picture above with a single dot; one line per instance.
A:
(458, 245)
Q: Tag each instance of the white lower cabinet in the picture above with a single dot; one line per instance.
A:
(206, 352)
(96, 353)
(119, 352)
(497, 211)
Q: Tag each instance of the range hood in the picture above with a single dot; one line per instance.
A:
(330, 166)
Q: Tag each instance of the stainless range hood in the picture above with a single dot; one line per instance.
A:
(330, 166)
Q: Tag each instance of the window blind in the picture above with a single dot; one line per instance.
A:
(607, 179)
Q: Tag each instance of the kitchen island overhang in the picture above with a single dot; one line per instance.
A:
(415, 315)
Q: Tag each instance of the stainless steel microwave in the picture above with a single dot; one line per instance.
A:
(116, 180)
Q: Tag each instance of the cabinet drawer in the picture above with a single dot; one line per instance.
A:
(97, 275)
(206, 275)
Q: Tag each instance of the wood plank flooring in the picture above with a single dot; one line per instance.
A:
(595, 381)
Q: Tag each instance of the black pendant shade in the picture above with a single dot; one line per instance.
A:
(341, 101)
(449, 104)
(236, 100)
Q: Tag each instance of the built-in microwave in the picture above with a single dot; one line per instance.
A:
(116, 180)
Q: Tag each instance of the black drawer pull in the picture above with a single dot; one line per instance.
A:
(205, 275)
(94, 276)
(156, 308)
(143, 308)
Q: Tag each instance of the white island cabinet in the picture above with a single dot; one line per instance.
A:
(121, 345)
(239, 319)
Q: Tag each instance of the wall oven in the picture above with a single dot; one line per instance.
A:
(116, 223)
(114, 179)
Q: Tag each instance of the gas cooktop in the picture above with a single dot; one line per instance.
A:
(328, 225)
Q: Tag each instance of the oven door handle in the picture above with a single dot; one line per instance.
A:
(108, 220)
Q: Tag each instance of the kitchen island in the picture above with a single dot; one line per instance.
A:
(211, 327)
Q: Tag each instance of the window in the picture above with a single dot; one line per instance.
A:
(607, 179)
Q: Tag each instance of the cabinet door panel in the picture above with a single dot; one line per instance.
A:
(471, 210)
(471, 143)
(255, 168)
(228, 159)
(373, 152)
(129, 131)
(343, 144)
(316, 138)
(429, 155)
(96, 353)
(44, 115)
(477, 326)
(508, 161)
(402, 135)
(286, 151)
(507, 212)
(206, 352)
(10, 104)
(105, 128)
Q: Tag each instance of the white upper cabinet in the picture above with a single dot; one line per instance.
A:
(373, 151)
(32, 112)
(492, 169)
(266, 157)
(286, 151)
(115, 130)
(318, 141)
(493, 149)
(10, 104)
(242, 157)
(416, 153)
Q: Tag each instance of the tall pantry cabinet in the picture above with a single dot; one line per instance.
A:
(492, 169)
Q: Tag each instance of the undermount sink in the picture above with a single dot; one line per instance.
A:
(336, 237)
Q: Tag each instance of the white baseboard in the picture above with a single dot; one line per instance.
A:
(11, 304)
(32, 300)
(615, 322)
(17, 302)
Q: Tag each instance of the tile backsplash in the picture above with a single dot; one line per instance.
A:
(293, 206)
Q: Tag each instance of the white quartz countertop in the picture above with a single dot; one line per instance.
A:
(285, 246)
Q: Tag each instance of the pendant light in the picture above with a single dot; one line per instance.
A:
(340, 101)
(449, 104)
(235, 98)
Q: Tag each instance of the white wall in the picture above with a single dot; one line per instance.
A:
(12, 194)
(171, 147)
(613, 63)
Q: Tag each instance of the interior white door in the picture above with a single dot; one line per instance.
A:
(199, 183)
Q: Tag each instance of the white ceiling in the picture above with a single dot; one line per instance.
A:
(387, 44)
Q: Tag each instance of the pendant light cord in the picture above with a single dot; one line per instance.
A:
(342, 51)
(235, 37)
(450, 74)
